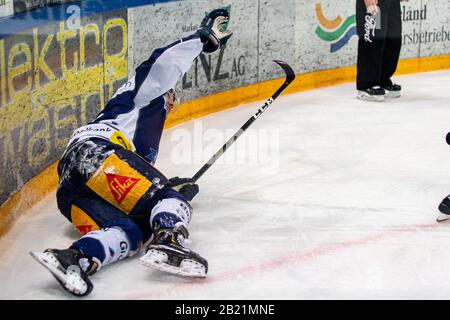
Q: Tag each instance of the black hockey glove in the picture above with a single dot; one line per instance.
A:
(177, 183)
(213, 30)
(189, 191)
(185, 186)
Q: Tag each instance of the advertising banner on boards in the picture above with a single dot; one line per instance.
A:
(6, 8)
(53, 79)
(233, 66)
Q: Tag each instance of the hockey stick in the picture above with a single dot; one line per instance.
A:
(290, 76)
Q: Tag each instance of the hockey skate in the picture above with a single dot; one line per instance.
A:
(70, 267)
(168, 252)
(444, 209)
(375, 94)
(392, 91)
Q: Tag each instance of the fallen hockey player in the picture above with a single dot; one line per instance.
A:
(108, 186)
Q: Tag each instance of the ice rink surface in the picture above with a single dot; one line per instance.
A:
(341, 206)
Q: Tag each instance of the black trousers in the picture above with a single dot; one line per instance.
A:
(380, 41)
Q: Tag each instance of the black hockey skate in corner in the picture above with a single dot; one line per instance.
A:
(64, 266)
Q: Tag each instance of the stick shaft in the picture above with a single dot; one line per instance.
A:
(290, 76)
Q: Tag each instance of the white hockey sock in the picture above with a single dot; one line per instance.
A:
(170, 212)
(105, 245)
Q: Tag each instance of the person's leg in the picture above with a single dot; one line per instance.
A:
(140, 191)
(99, 187)
(392, 48)
(108, 236)
(122, 179)
(161, 212)
(113, 196)
(118, 184)
(98, 190)
(370, 48)
(169, 249)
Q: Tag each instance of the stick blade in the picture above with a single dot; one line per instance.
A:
(290, 74)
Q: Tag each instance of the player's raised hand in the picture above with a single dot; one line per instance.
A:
(213, 30)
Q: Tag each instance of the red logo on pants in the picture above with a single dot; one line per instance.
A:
(120, 186)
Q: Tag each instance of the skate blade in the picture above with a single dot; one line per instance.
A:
(70, 280)
(366, 97)
(392, 94)
(442, 217)
(158, 260)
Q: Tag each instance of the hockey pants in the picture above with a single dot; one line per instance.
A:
(103, 185)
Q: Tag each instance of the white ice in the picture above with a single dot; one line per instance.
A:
(343, 205)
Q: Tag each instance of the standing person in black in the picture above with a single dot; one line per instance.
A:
(379, 26)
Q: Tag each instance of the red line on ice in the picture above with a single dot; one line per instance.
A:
(300, 257)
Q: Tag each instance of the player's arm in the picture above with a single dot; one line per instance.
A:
(164, 68)
(167, 65)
